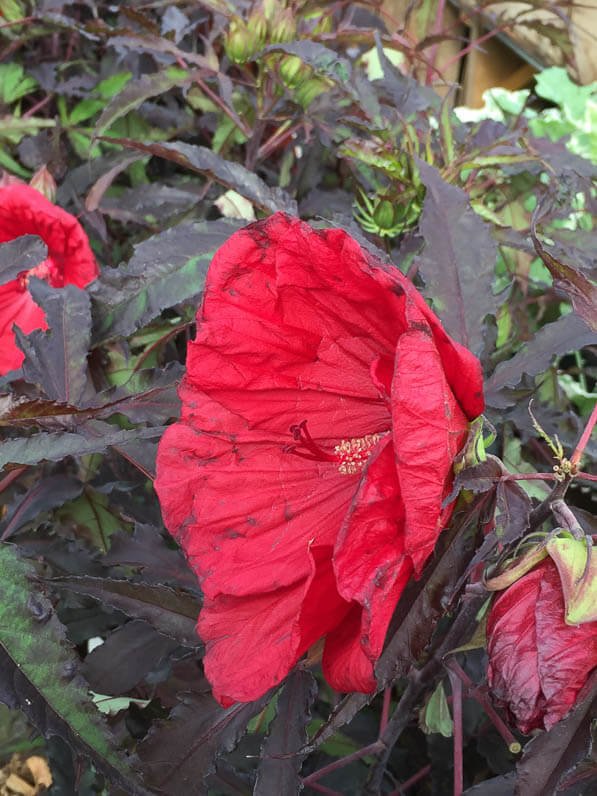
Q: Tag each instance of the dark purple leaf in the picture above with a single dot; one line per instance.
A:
(94, 436)
(568, 333)
(458, 261)
(166, 269)
(172, 613)
(19, 255)
(178, 754)
(57, 359)
(225, 172)
(147, 549)
(281, 759)
(126, 656)
(47, 494)
(552, 756)
(581, 291)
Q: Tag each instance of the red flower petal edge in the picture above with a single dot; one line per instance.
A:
(323, 405)
(537, 663)
(25, 211)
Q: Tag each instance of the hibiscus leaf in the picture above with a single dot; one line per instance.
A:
(57, 359)
(127, 655)
(581, 291)
(91, 437)
(166, 269)
(148, 551)
(178, 754)
(46, 494)
(225, 172)
(21, 254)
(568, 333)
(458, 261)
(281, 760)
(172, 613)
(551, 756)
(38, 673)
(137, 91)
(150, 395)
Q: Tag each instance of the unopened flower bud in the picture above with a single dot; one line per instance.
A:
(293, 70)
(257, 26)
(318, 21)
(9, 179)
(308, 90)
(283, 27)
(43, 182)
(383, 214)
(240, 43)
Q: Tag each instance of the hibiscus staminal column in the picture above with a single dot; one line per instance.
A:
(322, 408)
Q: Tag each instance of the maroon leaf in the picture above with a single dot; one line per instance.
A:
(458, 260)
(170, 612)
(281, 759)
(178, 754)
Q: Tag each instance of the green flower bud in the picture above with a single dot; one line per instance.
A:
(241, 43)
(383, 215)
(257, 25)
(293, 71)
(308, 90)
(318, 21)
(283, 27)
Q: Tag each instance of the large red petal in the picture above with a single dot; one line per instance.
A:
(429, 429)
(25, 211)
(369, 559)
(247, 515)
(16, 306)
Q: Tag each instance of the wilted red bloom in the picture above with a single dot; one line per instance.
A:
(537, 663)
(323, 406)
(24, 211)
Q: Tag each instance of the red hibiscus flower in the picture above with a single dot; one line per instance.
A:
(24, 211)
(323, 405)
(537, 663)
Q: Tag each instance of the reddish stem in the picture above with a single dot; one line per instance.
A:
(385, 710)
(12, 476)
(586, 435)
(456, 684)
(323, 789)
(412, 781)
(372, 749)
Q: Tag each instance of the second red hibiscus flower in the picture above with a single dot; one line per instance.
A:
(323, 407)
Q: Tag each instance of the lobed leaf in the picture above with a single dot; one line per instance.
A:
(458, 261)
(56, 359)
(94, 436)
(166, 269)
(172, 613)
(177, 755)
(37, 673)
(224, 172)
(281, 758)
(21, 254)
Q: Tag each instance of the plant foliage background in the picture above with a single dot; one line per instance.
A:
(166, 128)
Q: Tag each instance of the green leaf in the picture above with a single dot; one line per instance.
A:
(435, 716)
(37, 673)
(166, 269)
(13, 83)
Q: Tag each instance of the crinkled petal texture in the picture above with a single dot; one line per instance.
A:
(537, 663)
(25, 211)
(323, 406)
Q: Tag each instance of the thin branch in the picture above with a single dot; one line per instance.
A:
(371, 749)
(586, 435)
